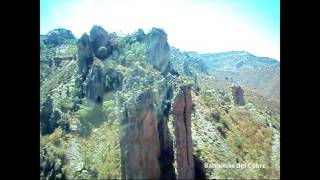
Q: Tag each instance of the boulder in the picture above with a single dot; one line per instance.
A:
(100, 42)
(181, 110)
(59, 36)
(158, 50)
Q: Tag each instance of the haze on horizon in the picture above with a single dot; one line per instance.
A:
(204, 26)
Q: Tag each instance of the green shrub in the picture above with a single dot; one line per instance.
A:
(121, 42)
(101, 151)
(90, 116)
(237, 141)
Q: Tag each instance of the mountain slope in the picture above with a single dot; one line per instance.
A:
(115, 106)
(261, 74)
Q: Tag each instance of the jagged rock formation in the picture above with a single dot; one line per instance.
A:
(94, 83)
(140, 145)
(181, 110)
(132, 82)
(238, 96)
(166, 145)
(57, 37)
(147, 113)
(101, 44)
(85, 53)
(158, 50)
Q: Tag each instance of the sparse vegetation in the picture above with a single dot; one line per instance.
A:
(101, 151)
(221, 131)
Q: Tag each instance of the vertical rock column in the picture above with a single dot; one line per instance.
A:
(140, 147)
(181, 109)
(166, 158)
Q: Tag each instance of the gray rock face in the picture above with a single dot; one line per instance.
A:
(238, 96)
(48, 117)
(140, 146)
(60, 36)
(85, 54)
(181, 109)
(158, 50)
(100, 42)
(94, 84)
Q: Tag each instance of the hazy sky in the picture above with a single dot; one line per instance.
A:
(198, 25)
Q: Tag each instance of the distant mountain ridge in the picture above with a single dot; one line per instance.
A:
(261, 74)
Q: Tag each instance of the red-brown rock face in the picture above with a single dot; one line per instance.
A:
(182, 124)
(140, 144)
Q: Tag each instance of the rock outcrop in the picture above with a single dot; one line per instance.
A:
(181, 110)
(158, 50)
(140, 146)
(145, 122)
(238, 97)
(166, 158)
(85, 53)
(48, 117)
(60, 36)
(92, 81)
(94, 84)
(101, 43)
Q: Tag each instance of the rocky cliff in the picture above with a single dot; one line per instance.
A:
(130, 106)
(181, 110)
